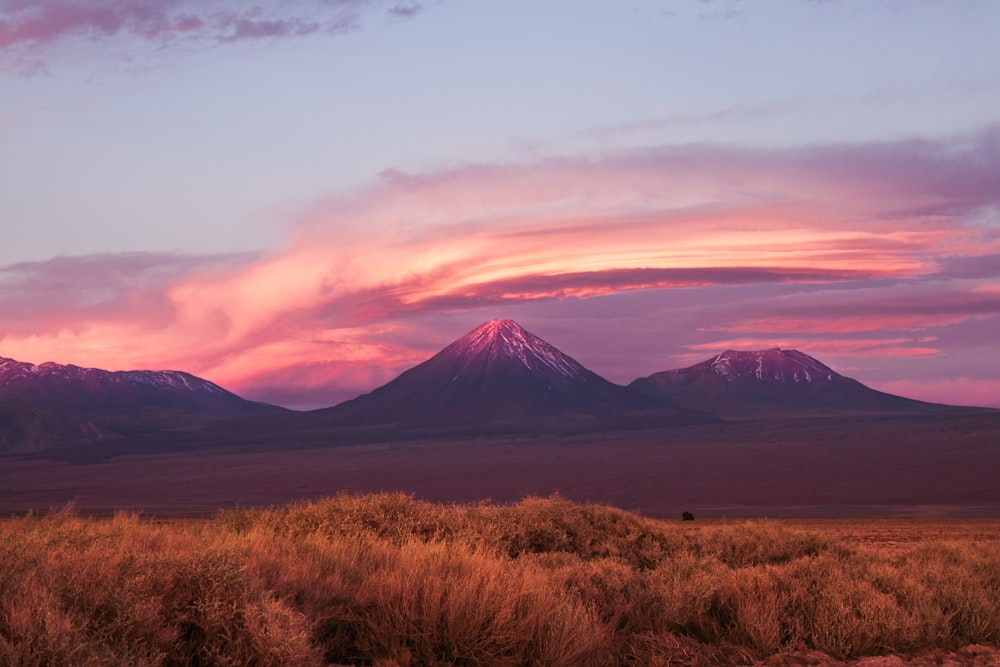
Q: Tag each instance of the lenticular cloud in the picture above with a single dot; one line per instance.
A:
(817, 242)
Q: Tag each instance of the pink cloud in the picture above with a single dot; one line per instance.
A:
(65, 292)
(39, 24)
(612, 281)
(869, 347)
(49, 20)
(908, 306)
(959, 390)
(841, 247)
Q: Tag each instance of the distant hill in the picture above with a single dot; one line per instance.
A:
(772, 383)
(54, 405)
(25, 428)
(68, 388)
(501, 377)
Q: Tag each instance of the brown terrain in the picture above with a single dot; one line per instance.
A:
(912, 465)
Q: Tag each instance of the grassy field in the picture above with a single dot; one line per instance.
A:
(391, 581)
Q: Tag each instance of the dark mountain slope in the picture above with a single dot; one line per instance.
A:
(772, 383)
(52, 406)
(500, 377)
(72, 389)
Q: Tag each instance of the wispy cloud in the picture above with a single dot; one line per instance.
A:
(864, 347)
(907, 306)
(830, 244)
(678, 120)
(980, 266)
(35, 27)
(46, 21)
(65, 292)
(406, 11)
(242, 27)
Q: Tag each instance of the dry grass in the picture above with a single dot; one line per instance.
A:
(387, 580)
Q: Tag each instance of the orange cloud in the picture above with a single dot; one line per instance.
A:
(340, 295)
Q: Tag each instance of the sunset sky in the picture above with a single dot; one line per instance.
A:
(299, 200)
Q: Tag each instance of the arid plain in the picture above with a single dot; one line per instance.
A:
(924, 465)
(862, 540)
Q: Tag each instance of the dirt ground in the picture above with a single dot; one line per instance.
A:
(880, 467)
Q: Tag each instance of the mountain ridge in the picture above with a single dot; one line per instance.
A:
(739, 384)
(69, 387)
(506, 379)
(59, 406)
(498, 378)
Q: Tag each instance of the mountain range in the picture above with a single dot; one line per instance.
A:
(502, 378)
(56, 406)
(497, 379)
(74, 389)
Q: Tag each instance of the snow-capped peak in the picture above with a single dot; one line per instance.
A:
(771, 366)
(508, 339)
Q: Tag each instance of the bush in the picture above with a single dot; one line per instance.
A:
(392, 581)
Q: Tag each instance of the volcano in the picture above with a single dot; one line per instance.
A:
(500, 377)
(772, 383)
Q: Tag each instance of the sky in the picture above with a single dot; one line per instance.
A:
(299, 200)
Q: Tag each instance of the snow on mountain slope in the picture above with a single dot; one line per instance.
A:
(501, 373)
(14, 373)
(769, 383)
(498, 359)
(70, 388)
(767, 366)
(506, 339)
(501, 351)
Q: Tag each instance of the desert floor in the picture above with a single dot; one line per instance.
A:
(870, 467)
